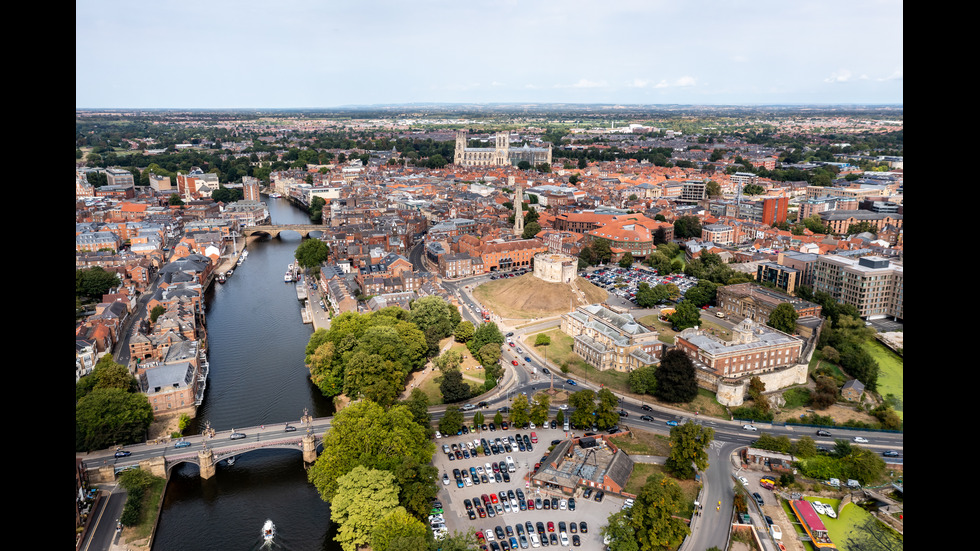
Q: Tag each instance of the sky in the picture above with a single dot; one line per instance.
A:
(211, 54)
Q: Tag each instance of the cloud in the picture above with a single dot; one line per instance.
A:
(840, 76)
(681, 82)
(897, 75)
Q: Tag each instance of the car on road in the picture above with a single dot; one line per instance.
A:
(571, 382)
(645, 407)
(513, 362)
(468, 407)
(182, 444)
(123, 453)
(749, 427)
(860, 440)
(290, 428)
(822, 432)
(671, 423)
(646, 418)
(510, 334)
(890, 453)
(237, 435)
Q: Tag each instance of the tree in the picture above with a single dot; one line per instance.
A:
(92, 283)
(433, 312)
(606, 414)
(418, 406)
(449, 360)
(783, 318)
(452, 421)
(620, 532)
(863, 465)
(805, 447)
(363, 499)
(542, 340)
(583, 403)
(478, 419)
(703, 293)
(311, 253)
(520, 411)
(464, 331)
(687, 226)
(453, 387)
(530, 230)
(626, 261)
(399, 531)
(687, 314)
(643, 380)
(486, 333)
(367, 434)
(688, 449)
(111, 416)
(754, 392)
(676, 378)
(653, 515)
(539, 411)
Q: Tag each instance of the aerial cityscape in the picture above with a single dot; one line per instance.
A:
(579, 280)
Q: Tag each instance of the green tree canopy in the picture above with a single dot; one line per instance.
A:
(311, 253)
(92, 283)
(653, 515)
(688, 449)
(453, 387)
(675, 378)
(364, 498)
(367, 434)
(107, 417)
(783, 318)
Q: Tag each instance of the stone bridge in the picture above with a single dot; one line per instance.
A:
(273, 230)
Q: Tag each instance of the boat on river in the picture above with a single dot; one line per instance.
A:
(268, 530)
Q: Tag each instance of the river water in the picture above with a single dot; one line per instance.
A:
(257, 342)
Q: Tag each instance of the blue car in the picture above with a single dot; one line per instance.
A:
(571, 382)
(671, 423)
(182, 444)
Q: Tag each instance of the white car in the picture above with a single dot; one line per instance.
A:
(860, 440)
(445, 479)
(563, 407)
(489, 534)
(564, 539)
(562, 505)
(743, 480)
(749, 427)
(438, 435)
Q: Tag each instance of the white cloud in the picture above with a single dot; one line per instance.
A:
(839, 76)
(897, 75)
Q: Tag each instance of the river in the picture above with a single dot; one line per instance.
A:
(257, 342)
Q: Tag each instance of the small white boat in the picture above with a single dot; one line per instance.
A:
(268, 530)
(288, 278)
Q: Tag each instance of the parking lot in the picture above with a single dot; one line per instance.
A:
(630, 279)
(587, 510)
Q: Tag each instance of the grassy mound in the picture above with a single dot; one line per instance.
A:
(529, 297)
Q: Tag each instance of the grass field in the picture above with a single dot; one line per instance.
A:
(526, 297)
(891, 374)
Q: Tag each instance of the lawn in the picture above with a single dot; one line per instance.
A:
(891, 374)
(642, 442)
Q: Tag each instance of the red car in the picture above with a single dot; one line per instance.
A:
(513, 362)
(551, 526)
(511, 343)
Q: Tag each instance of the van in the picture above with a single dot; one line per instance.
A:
(720, 314)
